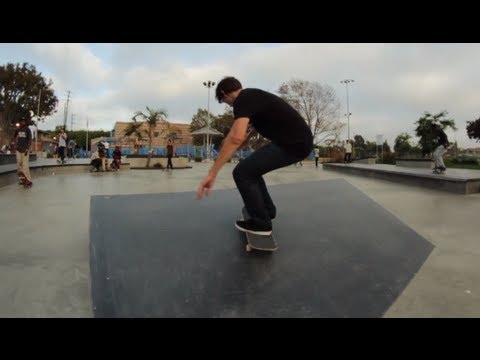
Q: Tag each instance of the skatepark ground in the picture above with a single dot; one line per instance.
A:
(44, 246)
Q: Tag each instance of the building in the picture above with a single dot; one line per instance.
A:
(179, 131)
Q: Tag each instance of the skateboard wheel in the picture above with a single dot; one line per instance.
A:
(249, 248)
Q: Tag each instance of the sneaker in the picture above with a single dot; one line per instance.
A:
(248, 226)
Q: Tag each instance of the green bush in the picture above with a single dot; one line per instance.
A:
(158, 165)
(198, 159)
(465, 159)
(388, 158)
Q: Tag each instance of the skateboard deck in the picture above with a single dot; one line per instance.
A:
(23, 179)
(259, 242)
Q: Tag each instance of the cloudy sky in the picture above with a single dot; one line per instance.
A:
(394, 84)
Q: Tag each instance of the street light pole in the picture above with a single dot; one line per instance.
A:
(38, 119)
(208, 84)
(86, 141)
(346, 82)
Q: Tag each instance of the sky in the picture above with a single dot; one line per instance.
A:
(394, 83)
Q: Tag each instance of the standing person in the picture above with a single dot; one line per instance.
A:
(22, 140)
(316, 150)
(71, 149)
(348, 152)
(275, 119)
(62, 144)
(169, 154)
(442, 146)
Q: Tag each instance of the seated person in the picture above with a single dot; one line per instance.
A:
(117, 158)
(97, 160)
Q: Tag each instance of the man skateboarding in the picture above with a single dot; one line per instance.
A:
(442, 146)
(23, 140)
(291, 141)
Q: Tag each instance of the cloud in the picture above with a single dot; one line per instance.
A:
(394, 83)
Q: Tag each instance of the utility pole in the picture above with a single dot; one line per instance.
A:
(66, 111)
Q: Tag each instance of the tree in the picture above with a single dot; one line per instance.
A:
(473, 129)
(22, 90)
(359, 142)
(402, 144)
(199, 120)
(134, 129)
(222, 123)
(152, 117)
(370, 148)
(424, 129)
(386, 147)
(317, 104)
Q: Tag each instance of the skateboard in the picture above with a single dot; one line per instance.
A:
(23, 180)
(259, 242)
(439, 170)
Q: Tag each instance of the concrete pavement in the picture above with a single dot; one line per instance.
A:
(44, 260)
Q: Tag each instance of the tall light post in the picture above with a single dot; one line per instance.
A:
(38, 119)
(86, 141)
(208, 84)
(346, 82)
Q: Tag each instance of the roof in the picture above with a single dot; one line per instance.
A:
(206, 130)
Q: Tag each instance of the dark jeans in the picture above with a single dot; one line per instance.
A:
(348, 157)
(248, 177)
(169, 163)
(96, 163)
(61, 152)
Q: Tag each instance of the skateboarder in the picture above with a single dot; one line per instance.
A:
(23, 140)
(442, 146)
(275, 119)
(348, 152)
(62, 144)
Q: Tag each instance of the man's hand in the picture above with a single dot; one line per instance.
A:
(205, 186)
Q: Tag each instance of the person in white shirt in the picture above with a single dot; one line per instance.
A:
(62, 144)
(348, 152)
(106, 146)
(317, 155)
(97, 160)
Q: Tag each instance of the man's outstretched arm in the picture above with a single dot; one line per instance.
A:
(232, 142)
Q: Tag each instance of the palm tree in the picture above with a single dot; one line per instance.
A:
(133, 129)
(151, 118)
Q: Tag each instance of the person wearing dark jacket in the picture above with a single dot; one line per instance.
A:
(169, 154)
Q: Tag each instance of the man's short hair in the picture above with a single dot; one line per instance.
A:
(227, 85)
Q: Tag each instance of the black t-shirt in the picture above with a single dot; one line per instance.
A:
(275, 120)
(442, 137)
(24, 137)
(170, 150)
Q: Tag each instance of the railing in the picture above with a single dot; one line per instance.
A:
(193, 151)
